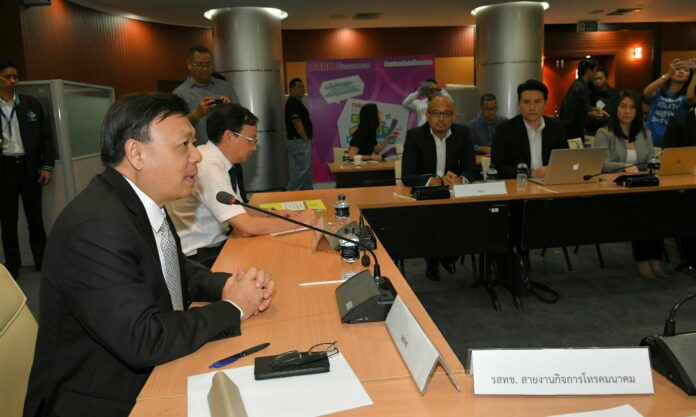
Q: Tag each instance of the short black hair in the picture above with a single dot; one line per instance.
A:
(6, 63)
(293, 82)
(604, 70)
(585, 64)
(197, 49)
(487, 97)
(533, 85)
(230, 117)
(131, 116)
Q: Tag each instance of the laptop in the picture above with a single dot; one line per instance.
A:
(569, 166)
(678, 161)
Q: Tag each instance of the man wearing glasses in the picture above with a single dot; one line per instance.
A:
(201, 221)
(203, 92)
(444, 150)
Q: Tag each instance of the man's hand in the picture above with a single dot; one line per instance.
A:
(631, 169)
(451, 178)
(435, 181)
(539, 172)
(245, 292)
(205, 106)
(45, 177)
(265, 283)
(376, 157)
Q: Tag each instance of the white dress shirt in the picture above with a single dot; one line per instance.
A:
(201, 221)
(535, 142)
(12, 140)
(440, 152)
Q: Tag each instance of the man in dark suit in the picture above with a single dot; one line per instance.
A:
(529, 136)
(116, 287)
(443, 150)
(26, 166)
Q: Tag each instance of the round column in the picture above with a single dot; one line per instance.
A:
(247, 50)
(508, 49)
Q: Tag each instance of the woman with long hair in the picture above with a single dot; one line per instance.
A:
(630, 144)
(364, 140)
(670, 94)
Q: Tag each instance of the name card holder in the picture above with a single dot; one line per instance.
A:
(416, 349)
(479, 189)
(583, 371)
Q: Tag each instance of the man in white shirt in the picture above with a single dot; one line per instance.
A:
(202, 222)
(418, 100)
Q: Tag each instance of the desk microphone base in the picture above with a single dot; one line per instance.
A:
(362, 300)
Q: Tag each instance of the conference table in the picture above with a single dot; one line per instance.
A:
(349, 175)
(301, 316)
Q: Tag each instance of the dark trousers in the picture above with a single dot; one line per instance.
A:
(15, 182)
(687, 248)
(207, 256)
(647, 250)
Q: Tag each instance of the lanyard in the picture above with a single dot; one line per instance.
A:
(9, 119)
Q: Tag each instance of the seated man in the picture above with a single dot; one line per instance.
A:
(529, 136)
(483, 126)
(115, 286)
(436, 153)
(201, 221)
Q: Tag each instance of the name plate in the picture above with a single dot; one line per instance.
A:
(562, 371)
(480, 188)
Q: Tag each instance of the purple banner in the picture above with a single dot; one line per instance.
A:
(338, 89)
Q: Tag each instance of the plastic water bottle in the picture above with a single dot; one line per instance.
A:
(587, 143)
(522, 175)
(346, 157)
(341, 208)
(350, 253)
(492, 174)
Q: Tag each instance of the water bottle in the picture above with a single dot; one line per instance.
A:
(522, 175)
(341, 208)
(492, 174)
(346, 157)
(350, 253)
(587, 143)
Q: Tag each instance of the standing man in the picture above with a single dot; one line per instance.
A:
(298, 126)
(116, 288)
(418, 100)
(203, 92)
(25, 167)
(201, 221)
(529, 136)
(602, 97)
(575, 108)
(483, 126)
(444, 150)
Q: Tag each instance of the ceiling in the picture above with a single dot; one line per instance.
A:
(322, 14)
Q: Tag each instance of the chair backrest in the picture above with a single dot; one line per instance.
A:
(397, 170)
(17, 339)
(575, 143)
(399, 150)
(485, 164)
(338, 154)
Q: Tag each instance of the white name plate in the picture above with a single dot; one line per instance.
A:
(416, 349)
(562, 371)
(480, 188)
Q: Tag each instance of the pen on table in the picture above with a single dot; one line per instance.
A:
(228, 360)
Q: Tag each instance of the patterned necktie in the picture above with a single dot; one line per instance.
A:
(171, 265)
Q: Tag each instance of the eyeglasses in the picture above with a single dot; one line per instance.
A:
(445, 114)
(202, 65)
(295, 358)
(252, 140)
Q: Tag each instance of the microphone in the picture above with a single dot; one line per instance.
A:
(589, 177)
(404, 177)
(229, 199)
(670, 324)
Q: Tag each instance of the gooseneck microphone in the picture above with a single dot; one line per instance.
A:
(589, 177)
(670, 324)
(229, 199)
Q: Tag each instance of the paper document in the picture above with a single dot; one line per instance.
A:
(295, 205)
(620, 411)
(301, 396)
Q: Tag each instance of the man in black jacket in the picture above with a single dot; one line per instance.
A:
(26, 166)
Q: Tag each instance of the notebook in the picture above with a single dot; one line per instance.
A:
(569, 166)
(678, 161)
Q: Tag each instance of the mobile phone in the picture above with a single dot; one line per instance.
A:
(685, 64)
(263, 370)
(219, 101)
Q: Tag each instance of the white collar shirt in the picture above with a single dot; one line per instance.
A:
(11, 138)
(535, 144)
(441, 152)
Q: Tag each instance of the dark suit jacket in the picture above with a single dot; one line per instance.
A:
(36, 134)
(511, 144)
(681, 130)
(420, 157)
(106, 317)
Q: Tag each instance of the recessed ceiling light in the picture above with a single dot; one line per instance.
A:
(544, 4)
(280, 14)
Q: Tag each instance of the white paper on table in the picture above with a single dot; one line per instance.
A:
(620, 411)
(301, 396)
(294, 205)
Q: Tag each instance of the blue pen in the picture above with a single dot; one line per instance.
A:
(230, 359)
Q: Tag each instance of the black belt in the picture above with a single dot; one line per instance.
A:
(15, 159)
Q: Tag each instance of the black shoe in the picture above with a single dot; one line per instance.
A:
(431, 271)
(448, 265)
